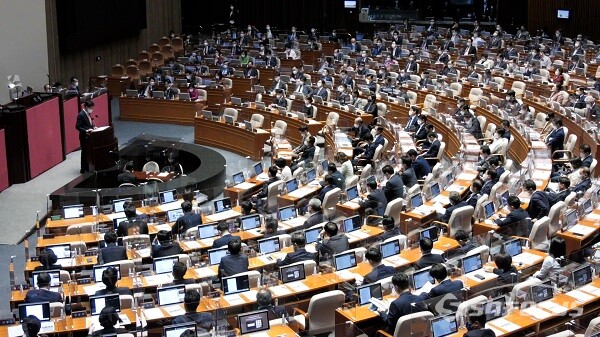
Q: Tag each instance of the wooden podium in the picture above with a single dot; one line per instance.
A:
(99, 146)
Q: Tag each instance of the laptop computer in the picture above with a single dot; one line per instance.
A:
(292, 273)
(258, 168)
(429, 232)
(207, 114)
(97, 303)
(488, 209)
(164, 265)
(176, 330)
(421, 277)
(215, 255)
(390, 248)
(352, 193)
(236, 101)
(228, 119)
(98, 270)
(73, 211)
(291, 185)
(352, 223)
(582, 276)
(495, 308)
(435, 190)
(62, 251)
(207, 231)
(443, 326)
(248, 125)
(542, 292)
(174, 214)
(311, 175)
(586, 206)
(471, 263)
(170, 294)
(449, 178)
(158, 94)
(131, 93)
(312, 234)
(222, 205)
(54, 278)
(118, 204)
(184, 96)
(287, 213)
(416, 200)
(344, 261)
(235, 284)
(260, 105)
(324, 165)
(259, 89)
(117, 221)
(238, 178)
(512, 247)
(167, 196)
(255, 321)
(269, 245)
(250, 222)
(368, 291)
(40, 310)
(570, 219)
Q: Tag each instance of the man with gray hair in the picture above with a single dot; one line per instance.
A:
(316, 213)
(264, 299)
(299, 253)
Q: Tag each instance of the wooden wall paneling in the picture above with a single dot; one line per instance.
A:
(584, 17)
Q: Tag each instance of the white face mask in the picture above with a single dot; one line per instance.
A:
(319, 85)
(356, 125)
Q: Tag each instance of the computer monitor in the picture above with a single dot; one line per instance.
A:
(352, 224)
(311, 175)
(587, 206)
(444, 325)
(98, 270)
(287, 213)
(174, 214)
(344, 261)
(421, 277)
(542, 292)
(253, 322)
(176, 330)
(215, 255)
(238, 178)
(429, 232)
(582, 276)
(207, 231)
(164, 265)
(222, 205)
(170, 295)
(352, 193)
(390, 248)
(118, 204)
(435, 189)
(235, 284)
(495, 308)
(449, 178)
(416, 200)
(97, 303)
(488, 209)
(258, 168)
(61, 251)
(291, 185)
(250, 222)
(292, 273)
(117, 221)
(570, 218)
(512, 247)
(40, 310)
(158, 94)
(167, 196)
(269, 245)
(54, 278)
(472, 263)
(368, 291)
(324, 165)
(312, 234)
(504, 199)
(73, 211)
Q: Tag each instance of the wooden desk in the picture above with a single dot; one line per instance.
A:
(157, 110)
(240, 194)
(144, 176)
(302, 193)
(230, 137)
(60, 226)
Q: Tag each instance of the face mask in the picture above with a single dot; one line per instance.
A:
(76, 84)
(340, 89)
(151, 84)
(319, 85)
(90, 110)
(295, 71)
(356, 125)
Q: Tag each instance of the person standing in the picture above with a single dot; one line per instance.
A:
(85, 125)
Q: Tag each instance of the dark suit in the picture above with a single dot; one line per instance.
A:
(371, 108)
(274, 312)
(446, 216)
(587, 161)
(556, 139)
(376, 200)
(400, 307)
(252, 72)
(421, 132)
(487, 187)
(116, 290)
(126, 177)
(360, 132)
(445, 287)
(433, 150)
(333, 245)
(583, 186)
(475, 128)
(480, 333)
(125, 225)
(322, 92)
(409, 177)
(298, 255)
(265, 190)
(539, 205)
(472, 199)
(42, 295)
(324, 191)
(112, 253)
(411, 125)
(379, 273)
(428, 260)
(389, 234)
(233, 264)
(513, 223)
(411, 67)
(224, 240)
(202, 319)
(185, 222)
(421, 167)
(84, 122)
(161, 250)
(313, 219)
(394, 188)
(370, 151)
(506, 276)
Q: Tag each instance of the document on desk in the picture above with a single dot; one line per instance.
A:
(144, 252)
(352, 204)
(280, 290)
(582, 230)
(298, 286)
(504, 324)
(244, 186)
(301, 192)
(206, 242)
(234, 299)
(174, 310)
(170, 206)
(65, 262)
(205, 272)
(475, 276)
(262, 177)
(295, 222)
(526, 258)
(223, 215)
(159, 279)
(163, 227)
(91, 290)
(467, 176)
(267, 259)
(590, 289)
(441, 199)
(250, 295)
(163, 174)
(359, 234)
(345, 274)
(580, 296)
(397, 260)
(192, 244)
(536, 313)
(553, 307)
(592, 217)
(455, 188)
(113, 216)
(153, 313)
(496, 332)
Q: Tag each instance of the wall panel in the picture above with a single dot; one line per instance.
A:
(584, 17)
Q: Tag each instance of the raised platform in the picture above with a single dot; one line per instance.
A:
(204, 170)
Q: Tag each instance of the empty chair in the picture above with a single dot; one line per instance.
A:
(145, 67)
(231, 112)
(519, 88)
(460, 219)
(124, 266)
(333, 118)
(456, 88)
(520, 290)
(329, 201)
(139, 239)
(86, 227)
(412, 325)
(381, 109)
(126, 301)
(474, 95)
(157, 60)
(117, 71)
(167, 51)
(394, 209)
(538, 237)
(151, 166)
(366, 171)
(298, 172)
(163, 41)
(320, 316)
(272, 191)
(132, 72)
(177, 44)
(554, 215)
(143, 55)
(279, 128)
(257, 121)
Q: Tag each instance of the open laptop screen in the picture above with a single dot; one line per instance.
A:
(291, 185)
(542, 292)
(253, 322)
(118, 204)
(430, 232)
(238, 178)
(368, 291)
(489, 209)
(421, 277)
(472, 263)
(582, 276)
(435, 190)
(97, 303)
(513, 247)
(416, 200)
(250, 222)
(163, 265)
(444, 325)
(312, 235)
(40, 310)
(222, 205)
(495, 308)
(167, 196)
(352, 193)
(292, 273)
(345, 261)
(352, 224)
(207, 231)
(390, 248)
(61, 251)
(177, 329)
(170, 295)
(287, 213)
(73, 211)
(174, 214)
(236, 284)
(258, 168)
(215, 255)
(270, 245)
(98, 270)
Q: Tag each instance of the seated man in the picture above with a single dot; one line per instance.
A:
(338, 178)
(31, 326)
(366, 152)
(203, 320)
(110, 278)
(284, 171)
(539, 205)
(419, 164)
(166, 246)
(299, 253)
(476, 317)
(108, 319)
(443, 284)
(475, 190)
(491, 178)
(329, 185)
(375, 200)
(455, 203)
(378, 271)
(427, 258)
(43, 293)
(389, 227)
(235, 262)
(304, 157)
(585, 182)
(127, 176)
(394, 188)
(271, 226)
(403, 305)
(111, 252)
(187, 220)
(48, 260)
(179, 271)
(465, 242)
(407, 173)
(135, 224)
(334, 243)
(264, 300)
(316, 213)
(434, 148)
(223, 229)
(513, 223)
(563, 191)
